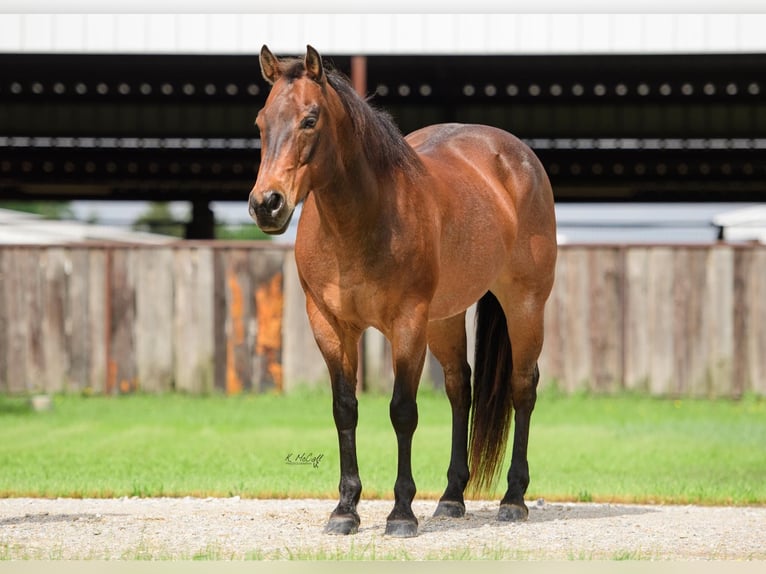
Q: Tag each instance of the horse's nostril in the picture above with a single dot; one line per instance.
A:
(273, 201)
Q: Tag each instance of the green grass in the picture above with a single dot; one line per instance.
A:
(639, 449)
(589, 448)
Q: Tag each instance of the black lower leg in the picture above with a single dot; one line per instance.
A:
(404, 417)
(452, 503)
(512, 506)
(345, 519)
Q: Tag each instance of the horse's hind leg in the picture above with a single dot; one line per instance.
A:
(512, 506)
(525, 328)
(447, 341)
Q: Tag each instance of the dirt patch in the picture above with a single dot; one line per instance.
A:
(233, 528)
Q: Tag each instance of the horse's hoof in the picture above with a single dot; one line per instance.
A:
(342, 525)
(402, 528)
(450, 509)
(512, 513)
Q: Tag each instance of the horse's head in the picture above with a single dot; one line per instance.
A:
(294, 120)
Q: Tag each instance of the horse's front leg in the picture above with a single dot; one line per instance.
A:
(338, 345)
(408, 347)
(345, 519)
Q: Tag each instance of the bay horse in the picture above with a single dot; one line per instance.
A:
(403, 235)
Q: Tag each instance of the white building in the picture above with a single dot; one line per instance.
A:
(18, 228)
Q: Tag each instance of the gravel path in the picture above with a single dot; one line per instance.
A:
(231, 528)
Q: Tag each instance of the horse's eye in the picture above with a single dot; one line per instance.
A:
(308, 122)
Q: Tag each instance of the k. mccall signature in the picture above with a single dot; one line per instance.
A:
(304, 459)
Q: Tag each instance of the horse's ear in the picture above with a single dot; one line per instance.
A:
(314, 69)
(269, 65)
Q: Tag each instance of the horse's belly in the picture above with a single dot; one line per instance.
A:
(451, 303)
(462, 283)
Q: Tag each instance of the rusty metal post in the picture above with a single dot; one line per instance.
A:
(359, 74)
(359, 81)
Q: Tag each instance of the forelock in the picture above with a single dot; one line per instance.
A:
(293, 68)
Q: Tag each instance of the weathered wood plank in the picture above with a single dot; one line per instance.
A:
(690, 346)
(219, 320)
(57, 266)
(98, 296)
(4, 323)
(755, 337)
(743, 310)
(239, 326)
(268, 301)
(16, 263)
(154, 319)
(577, 349)
(605, 319)
(637, 353)
(719, 315)
(661, 276)
(32, 266)
(77, 322)
(749, 338)
(193, 325)
(6, 295)
(122, 375)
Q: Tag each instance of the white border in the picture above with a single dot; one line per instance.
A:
(362, 33)
(388, 6)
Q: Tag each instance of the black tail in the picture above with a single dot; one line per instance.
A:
(492, 399)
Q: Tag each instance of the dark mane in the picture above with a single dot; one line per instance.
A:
(381, 138)
(383, 143)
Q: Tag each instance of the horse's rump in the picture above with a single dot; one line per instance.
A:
(491, 195)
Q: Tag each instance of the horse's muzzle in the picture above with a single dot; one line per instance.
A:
(271, 213)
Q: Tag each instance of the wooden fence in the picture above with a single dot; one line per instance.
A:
(679, 321)
(201, 317)
(114, 319)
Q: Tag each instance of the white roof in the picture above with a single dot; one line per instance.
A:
(242, 27)
(671, 223)
(18, 228)
(745, 224)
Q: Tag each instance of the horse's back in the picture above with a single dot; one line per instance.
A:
(491, 186)
(478, 161)
(495, 155)
(438, 138)
(455, 139)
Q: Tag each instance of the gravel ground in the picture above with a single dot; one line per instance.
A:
(233, 528)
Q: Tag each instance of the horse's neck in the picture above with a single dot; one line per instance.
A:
(353, 200)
